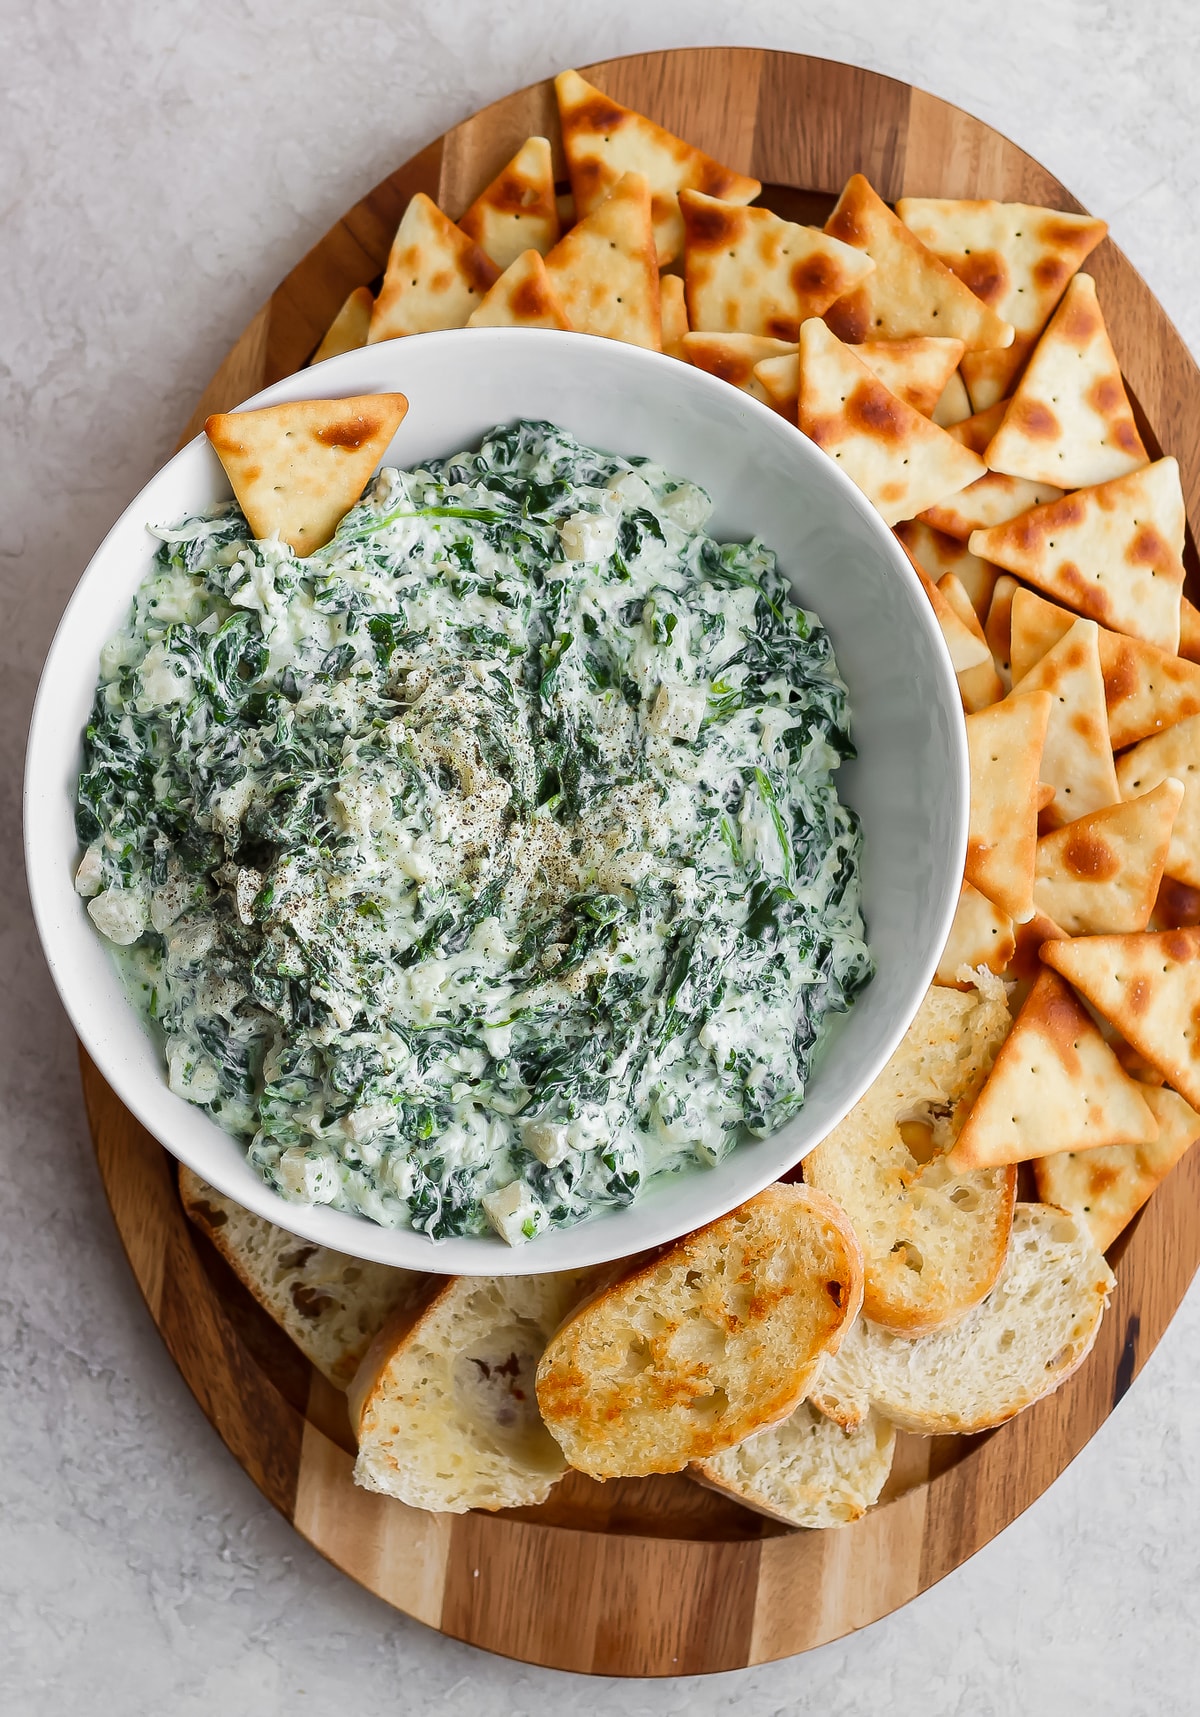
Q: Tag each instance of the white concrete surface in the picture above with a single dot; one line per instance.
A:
(161, 166)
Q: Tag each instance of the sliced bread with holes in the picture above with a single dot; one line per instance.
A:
(1035, 1327)
(933, 1239)
(444, 1403)
(717, 1338)
(806, 1471)
(332, 1306)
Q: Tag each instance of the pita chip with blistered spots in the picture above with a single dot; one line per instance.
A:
(981, 685)
(1055, 1086)
(1004, 745)
(435, 277)
(748, 271)
(1148, 987)
(939, 554)
(1100, 875)
(518, 211)
(1107, 1187)
(522, 298)
(1077, 760)
(901, 461)
(603, 140)
(674, 315)
(1171, 755)
(733, 357)
(1112, 552)
(911, 369)
(297, 469)
(1016, 257)
(1070, 422)
(981, 935)
(349, 328)
(994, 497)
(909, 291)
(604, 270)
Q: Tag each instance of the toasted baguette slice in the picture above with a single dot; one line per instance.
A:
(806, 1471)
(1035, 1327)
(444, 1403)
(717, 1338)
(331, 1305)
(933, 1240)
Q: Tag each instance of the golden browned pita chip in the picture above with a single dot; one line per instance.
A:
(994, 497)
(910, 292)
(779, 379)
(981, 935)
(604, 140)
(522, 298)
(954, 406)
(674, 315)
(604, 270)
(1069, 421)
(1045, 795)
(1177, 906)
(1077, 760)
(939, 554)
(979, 686)
(1016, 257)
(911, 369)
(1004, 744)
(1108, 552)
(1036, 626)
(733, 358)
(1025, 967)
(1055, 1086)
(997, 628)
(1148, 986)
(1189, 630)
(1147, 689)
(1100, 874)
(1173, 754)
(1107, 1187)
(348, 330)
(967, 649)
(518, 211)
(900, 460)
(297, 469)
(749, 272)
(435, 275)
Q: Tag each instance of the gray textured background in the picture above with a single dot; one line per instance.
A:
(161, 166)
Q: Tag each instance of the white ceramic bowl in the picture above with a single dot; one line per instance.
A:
(909, 784)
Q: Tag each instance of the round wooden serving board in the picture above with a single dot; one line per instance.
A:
(656, 1576)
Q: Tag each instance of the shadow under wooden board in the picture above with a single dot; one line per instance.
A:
(656, 1576)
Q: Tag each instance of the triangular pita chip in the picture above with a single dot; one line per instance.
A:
(901, 461)
(911, 369)
(1077, 761)
(1148, 986)
(435, 275)
(1069, 421)
(954, 406)
(522, 298)
(780, 380)
(674, 315)
(910, 291)
(1100, 874)
(994, 497)
(1109, 552)
(603, 140)
(518, 211)
(1025, 967)
(939, 554)
(1189, 630)
(749, 272)
(997, 628)
(1055, 1086)
(1107, 1187)
(297, 469)
(1036, 626)
(967, 650)
(1004, 744)
(604, 270)
(348, 330)
(1016, 257)
(979, 686)
(981, 935)
(733, 357)
(1171, 755)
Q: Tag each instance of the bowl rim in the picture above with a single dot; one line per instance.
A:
(591, 1241)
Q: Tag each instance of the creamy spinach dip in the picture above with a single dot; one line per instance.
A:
(487, 863)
